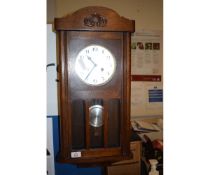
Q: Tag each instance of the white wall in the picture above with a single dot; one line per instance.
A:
(50, 11)
(148, 14)
(52, 98)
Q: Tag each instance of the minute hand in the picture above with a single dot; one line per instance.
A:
(90, 71)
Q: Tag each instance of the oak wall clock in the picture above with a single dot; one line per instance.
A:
(94, 73)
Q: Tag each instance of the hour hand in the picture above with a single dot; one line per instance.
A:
(90, 59)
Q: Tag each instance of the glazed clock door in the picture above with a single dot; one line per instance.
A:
(95, 74)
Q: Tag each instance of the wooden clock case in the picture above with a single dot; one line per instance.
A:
(81, 143)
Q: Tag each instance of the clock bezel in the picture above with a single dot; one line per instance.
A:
(112, 74)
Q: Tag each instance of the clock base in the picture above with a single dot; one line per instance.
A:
(94, 161)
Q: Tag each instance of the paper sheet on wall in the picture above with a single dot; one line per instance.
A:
(142, 103)
(146, 52)
(138, 97)
(146, 59)
(154, 102)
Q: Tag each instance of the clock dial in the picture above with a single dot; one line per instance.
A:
(95, 65)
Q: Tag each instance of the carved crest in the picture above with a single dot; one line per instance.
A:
(95, 20)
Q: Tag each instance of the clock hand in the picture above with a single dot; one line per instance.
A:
(90, 71)
(89, 58)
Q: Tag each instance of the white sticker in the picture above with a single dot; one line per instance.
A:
(75, 154)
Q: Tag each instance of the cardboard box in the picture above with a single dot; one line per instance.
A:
(128, 167)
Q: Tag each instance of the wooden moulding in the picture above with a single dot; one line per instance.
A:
(98, 19)
(95, 161)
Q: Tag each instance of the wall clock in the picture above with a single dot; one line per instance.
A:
(94, 74)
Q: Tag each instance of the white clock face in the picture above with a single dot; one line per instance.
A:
(95, 65)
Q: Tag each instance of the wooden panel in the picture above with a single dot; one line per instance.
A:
(125, 122)
(98, 35)
(105, 121)
(128, 169)
(101, 152)
(90, 161)
(82, 90)
(95, 18)
(114, 123)
(96, 137)
(86, 94)
(78, 124)
(87, 125)
(65, 119)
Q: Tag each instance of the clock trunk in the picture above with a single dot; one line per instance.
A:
(95, 120)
